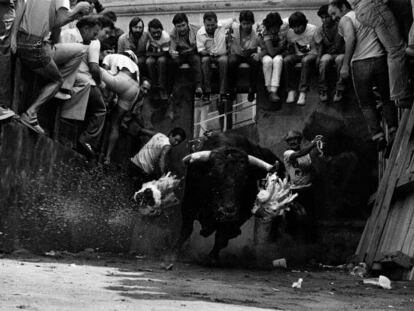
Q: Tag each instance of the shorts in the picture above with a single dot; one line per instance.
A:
(33, 50)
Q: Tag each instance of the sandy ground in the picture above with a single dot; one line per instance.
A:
(103, 283)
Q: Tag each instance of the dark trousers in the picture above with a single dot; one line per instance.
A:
(289, 63)
(225, 105)
(142, 65)
(6, 73)
(234, 62)
(95, 118)
(222, 63)
(157, 70)
(195, 63)
(366, 74)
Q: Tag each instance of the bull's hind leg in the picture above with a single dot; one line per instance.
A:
(223, 235)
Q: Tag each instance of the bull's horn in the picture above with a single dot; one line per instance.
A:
(197, 156)
(259, 163)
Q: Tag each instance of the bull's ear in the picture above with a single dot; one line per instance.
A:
(201, 156)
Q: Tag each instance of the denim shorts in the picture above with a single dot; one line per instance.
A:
(33, 50)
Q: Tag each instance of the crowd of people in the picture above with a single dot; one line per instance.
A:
(87, 61)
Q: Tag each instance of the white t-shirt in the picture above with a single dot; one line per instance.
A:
(161, 45)
(149, 155)
(304, 43)
(298, 170)
(117, 62)
(73, 35)
(40, 16)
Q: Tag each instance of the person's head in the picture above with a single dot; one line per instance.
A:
(298, 22)
(155, 29)
(176, 136)
(89, 28)
(293, 139)
(106, 29)
(111, 15)
(180, 22)
(272, 22)
(145, 86)
(338, 8)
(136, 27)
(210, 22)
(324, 15)
(246, 19)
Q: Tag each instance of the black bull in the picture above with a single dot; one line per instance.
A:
(221, 187)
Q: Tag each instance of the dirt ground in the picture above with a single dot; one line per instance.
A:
(106, 283)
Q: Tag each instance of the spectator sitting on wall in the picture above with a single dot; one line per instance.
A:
(183, 49)
(243, 49)
(7, 14)
(331, 49)
(367, 58)
(274, 48)
(56, 63)
(111, 43)
(302, 49)
(298, 164)
(212, 46)
(150, 162)
(88, 30)
(120, 76)
(157, 56)
(135, 40)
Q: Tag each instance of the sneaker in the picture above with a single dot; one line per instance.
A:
(338, 96)
(291, 97)
(32, 123)
(410, 51)
(302, 99)
(6, 113)
(323, 96)
(62, 96)
(198, 92)
(273, 97)
(87, 147)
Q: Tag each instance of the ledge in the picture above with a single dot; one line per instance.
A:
(171, 6)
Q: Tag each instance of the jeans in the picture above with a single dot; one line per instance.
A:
(377, 15)
(54, 63)
(325, 65)
(95, 118)
(272, 70)
(6, 80)
(222, 63)
(365, 74)
(195, 63)
(157, 70)
(234, 62)
(289, 62)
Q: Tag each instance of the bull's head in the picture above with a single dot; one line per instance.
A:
(229, 180)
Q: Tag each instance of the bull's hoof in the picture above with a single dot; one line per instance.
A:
(210, 261)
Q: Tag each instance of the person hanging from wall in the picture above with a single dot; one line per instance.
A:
(120, 75)
(36, 22)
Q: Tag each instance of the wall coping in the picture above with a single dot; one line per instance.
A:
(151, 7)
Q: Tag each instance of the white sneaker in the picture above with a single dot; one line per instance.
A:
(291, 97)
(301, 99)
(62, 96)
(6, 113)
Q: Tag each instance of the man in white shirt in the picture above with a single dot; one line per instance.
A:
(158, 47)
(150, 162)
(302, 48)
(36, 21)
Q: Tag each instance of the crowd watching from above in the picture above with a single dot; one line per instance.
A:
(99, 74)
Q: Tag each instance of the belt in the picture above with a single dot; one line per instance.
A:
(30, 37)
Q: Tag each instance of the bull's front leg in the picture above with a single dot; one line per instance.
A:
(223, 235)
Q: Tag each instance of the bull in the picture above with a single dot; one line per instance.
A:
(221, 187)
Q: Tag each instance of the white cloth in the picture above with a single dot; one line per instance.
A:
(304, 43)
(216, 45)
(367, 42)
(117, 62)
(298, 170)
(272, 70)
(40, 16)
(149, 155)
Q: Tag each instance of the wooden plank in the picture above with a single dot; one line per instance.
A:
(382, 208)
(410, 235)
(405, 212)
(389, 233)
(364, 243)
